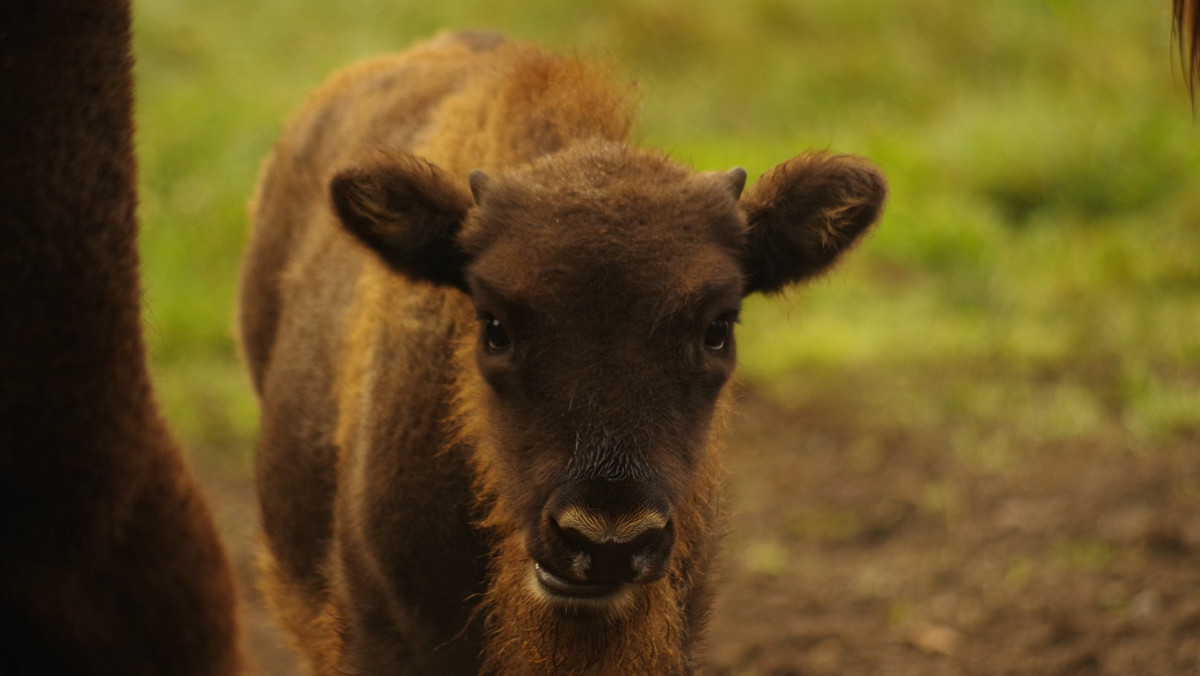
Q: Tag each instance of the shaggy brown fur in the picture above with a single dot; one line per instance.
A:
(492, 400)
(1186, 14)
(109, 562)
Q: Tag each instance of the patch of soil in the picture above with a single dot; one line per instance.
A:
(235, 510)
(859, 546)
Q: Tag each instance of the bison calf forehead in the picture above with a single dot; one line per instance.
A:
(609, 221)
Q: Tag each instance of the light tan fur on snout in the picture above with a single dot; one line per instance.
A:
(600, 529)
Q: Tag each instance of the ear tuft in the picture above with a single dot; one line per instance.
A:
(408, 212)
(803, 214)
(736, 178)
(479, 183)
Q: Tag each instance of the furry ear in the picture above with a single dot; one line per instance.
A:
(410, 213)
(806, 212)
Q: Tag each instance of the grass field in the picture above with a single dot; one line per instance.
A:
(1010, 362)
(1036, 272)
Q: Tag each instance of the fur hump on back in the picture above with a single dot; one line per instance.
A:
(522, 103)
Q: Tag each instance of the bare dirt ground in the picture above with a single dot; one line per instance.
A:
(858, 545)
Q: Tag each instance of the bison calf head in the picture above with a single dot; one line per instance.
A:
(606, 283)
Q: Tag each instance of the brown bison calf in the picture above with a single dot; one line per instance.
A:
(491, 341)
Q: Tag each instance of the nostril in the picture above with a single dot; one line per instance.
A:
(565, 549)
(648, 538)
(573, 537)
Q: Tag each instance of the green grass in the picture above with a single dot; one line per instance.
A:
(1036, 278)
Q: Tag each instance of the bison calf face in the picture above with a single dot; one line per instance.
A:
(606, 283)
(601, 367)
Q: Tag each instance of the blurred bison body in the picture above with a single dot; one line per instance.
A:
(1186, 17)
(491, 341)
(110, 563)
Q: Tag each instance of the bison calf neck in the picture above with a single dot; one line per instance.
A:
(491, 340)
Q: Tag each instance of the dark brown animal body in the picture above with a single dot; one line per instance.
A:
(1186, 16)
(491, 341)
(109, 562)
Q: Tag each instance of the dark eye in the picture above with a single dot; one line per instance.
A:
(718, 335)
(495, 338)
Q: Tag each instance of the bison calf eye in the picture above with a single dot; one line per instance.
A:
(717, 336)
(495, 338)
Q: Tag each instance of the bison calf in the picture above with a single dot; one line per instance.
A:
(491, 341)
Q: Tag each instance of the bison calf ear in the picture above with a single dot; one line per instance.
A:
(410, 213)
(806, 212)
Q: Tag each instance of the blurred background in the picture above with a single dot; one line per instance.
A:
(973, 448)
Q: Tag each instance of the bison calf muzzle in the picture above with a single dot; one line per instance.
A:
(595, 537)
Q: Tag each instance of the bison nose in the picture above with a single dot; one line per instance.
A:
(604, 548)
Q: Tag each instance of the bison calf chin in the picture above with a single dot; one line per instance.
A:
(491, 341)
